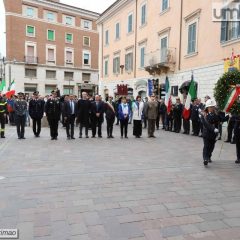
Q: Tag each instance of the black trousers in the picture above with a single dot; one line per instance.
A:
(70, 122)
(208, 148)
(137, 128)
(230, 130)
(37, 126)
(237, 139)
(196, 127)
(110, 123)
(20, 123)
(177, 124)
(82, 125)
(124, 127)
(186, 126)
(2, 122)
(53, 124)
(96, 123)
(163, 119)
(157, 121)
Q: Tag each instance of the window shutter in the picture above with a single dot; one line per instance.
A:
(30, 29)
(50, 54)
(50, 35)
(30, 51)
(69, 37)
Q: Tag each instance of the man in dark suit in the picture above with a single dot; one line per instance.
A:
(69, 112)
(84, 111)
(36, 110)
(97, 111)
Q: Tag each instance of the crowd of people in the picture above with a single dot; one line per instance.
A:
(88, 113)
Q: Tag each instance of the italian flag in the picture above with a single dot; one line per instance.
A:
(11, 90)
(168, 99)
(3, 87)
(231, 98)
(192, 93)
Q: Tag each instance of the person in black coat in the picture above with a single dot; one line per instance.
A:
(97, 111)
(69, 112)
(110, 116)
(210, 130)
(84, 111)
(195, 118)
(177, 115)
(53, 112)
(237, 137)
(36, 111)
(162, 112)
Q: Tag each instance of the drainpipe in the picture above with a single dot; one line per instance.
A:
(135, 57)
(180, 40)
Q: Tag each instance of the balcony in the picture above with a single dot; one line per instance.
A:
(160, 61)
(31, 60)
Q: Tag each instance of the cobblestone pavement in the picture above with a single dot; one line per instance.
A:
(101, 189)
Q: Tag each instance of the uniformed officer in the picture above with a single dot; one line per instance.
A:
(210, 130)
(3, 112)
(36, 110)
(177, 115)
(237, 133)
(20, 109)
(53, 112)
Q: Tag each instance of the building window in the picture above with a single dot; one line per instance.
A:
(68, 20)
(143, 14)
(106, 37)
(174, 91)
(163, 49)
(30, 88)
(142, 57)
(50, 16)
(117, 31)
(31, 53)
(69, 56)
(164, 5)
(50, 74)
(30, 31)
(86, 41)
(116, 65)
(50, 88)
(51, 55)
(68, 90)
(30, 73)
(68, 76)
(130, 23)
(106, 67)
(230, 31)
(30, 12)
(86, 77)
(192, 38)
(86, 24)
(69, 38)
(129, 62)
(50, 35)
(86, 58)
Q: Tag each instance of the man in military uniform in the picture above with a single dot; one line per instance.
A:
(3, 111)
(36, 110)
(20, 109)
(53, 112)
(177, 115)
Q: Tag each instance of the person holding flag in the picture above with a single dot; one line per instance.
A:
(3, 112)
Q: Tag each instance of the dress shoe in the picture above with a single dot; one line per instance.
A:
(72, 138)
(126, 137)
(55, 138)
(233, 142)
(93, 136)
(205, 162)
(87, 136)
(99, 136)
(3, 137)
(68, 138)
(52, 138)
(227, 141)
(219, 138)
(237, 161)
(210, 160)
(153, 136)
(111, 136)
(23, 138)
(80, 136)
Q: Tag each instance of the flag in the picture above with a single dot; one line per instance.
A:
(232, 96)
(168, 99)
(192, 94)
(3, 87)
(150, 87)
(11, 90)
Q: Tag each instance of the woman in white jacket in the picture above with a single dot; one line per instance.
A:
(137, 109)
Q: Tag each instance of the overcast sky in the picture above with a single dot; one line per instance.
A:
(93, 5)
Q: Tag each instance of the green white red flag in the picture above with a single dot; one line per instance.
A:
(231, 98)
(168, 99)
(11, 90)
(192, 94)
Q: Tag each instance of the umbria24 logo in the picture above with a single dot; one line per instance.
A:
(226, 10)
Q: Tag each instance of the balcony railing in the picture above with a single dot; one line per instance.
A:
(30, 60)
(161, 60)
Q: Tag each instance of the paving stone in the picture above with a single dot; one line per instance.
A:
(171, 231)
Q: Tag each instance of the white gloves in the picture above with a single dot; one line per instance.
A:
(216, 130)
